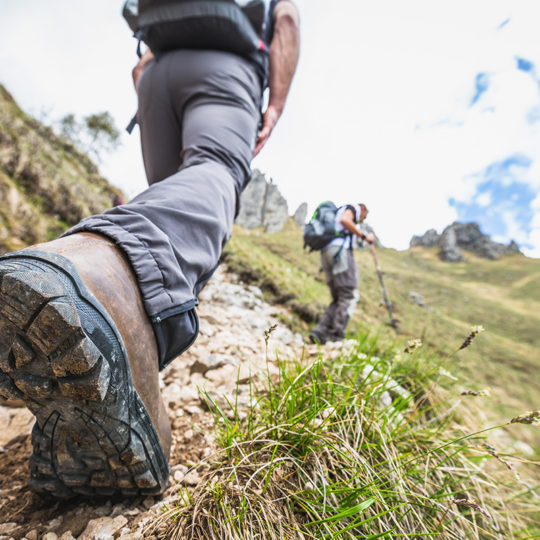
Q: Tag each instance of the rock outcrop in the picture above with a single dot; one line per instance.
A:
(448, 246)
(300, 215)
(46, 184)
(429, 239)
(467, 236)
(262, 205)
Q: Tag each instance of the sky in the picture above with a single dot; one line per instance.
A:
(428, 111)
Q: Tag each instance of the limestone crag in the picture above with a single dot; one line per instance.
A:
(466, 236)
(262, 205)
(448, 246)
(429, 239)
(300, 214)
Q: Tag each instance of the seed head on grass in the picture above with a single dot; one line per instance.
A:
(471, 504)
(493, 452)
(267, 333)
(532, 417)
(475, 330)
(477, 393)
(412, 345)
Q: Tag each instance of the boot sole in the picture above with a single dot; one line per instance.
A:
(61, 353)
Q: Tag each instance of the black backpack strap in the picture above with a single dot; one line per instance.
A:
(139, 35)
(132, 123)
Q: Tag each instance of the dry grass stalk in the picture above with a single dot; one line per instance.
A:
(477, 393)
(475, 330)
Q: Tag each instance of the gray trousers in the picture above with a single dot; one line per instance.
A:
(342, 279)
(198, 116)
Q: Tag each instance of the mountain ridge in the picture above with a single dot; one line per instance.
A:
(466, 236)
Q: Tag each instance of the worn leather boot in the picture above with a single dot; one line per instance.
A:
(77, 347)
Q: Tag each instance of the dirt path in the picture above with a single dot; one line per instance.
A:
(230, 351)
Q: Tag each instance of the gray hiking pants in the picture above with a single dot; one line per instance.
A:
(342, 279)
(198, 116)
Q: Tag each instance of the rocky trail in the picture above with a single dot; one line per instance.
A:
(228, 357)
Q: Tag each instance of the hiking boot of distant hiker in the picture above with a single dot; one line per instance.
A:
(77, 348)
(317, 338)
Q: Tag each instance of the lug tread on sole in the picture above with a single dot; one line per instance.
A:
(47, 360)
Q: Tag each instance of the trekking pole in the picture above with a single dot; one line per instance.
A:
(393, 321)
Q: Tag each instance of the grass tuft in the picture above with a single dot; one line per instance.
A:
(357, 446)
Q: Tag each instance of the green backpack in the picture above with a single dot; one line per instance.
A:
(321, 229)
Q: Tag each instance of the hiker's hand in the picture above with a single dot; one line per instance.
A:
(370, 238)
(145, 59)
(270, 118)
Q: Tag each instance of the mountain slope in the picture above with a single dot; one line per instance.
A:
(46, 184)
(503, 296)
(275, 439)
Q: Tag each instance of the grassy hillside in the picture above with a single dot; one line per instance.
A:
(46, 184)
(503, 296)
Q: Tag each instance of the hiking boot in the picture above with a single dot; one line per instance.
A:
(317, 338)
(77, 347)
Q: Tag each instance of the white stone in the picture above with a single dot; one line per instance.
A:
(223, 376)
(148, 502)
(178, 476)
(193, 409)
(14, 422)
(7, 528)
(205, 364)
(385, 400)
(172, 395)
(55, 523)
(192, 478)
(206, 328)
(103, 528)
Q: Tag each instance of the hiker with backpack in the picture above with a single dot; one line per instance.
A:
(88, 320)
(332, 230)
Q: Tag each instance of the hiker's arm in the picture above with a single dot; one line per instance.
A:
(347, 220)
(282, 60)
(146, 58)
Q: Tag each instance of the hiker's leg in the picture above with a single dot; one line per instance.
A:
(346, 284)
(181, 82)
(173, 233)
(344, 311)
(326, 323)
(159, 125)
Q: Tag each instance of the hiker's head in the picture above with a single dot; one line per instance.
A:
(363, 212)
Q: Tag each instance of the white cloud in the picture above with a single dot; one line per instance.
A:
(514, 230)
(484, 199)
(379, 109)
